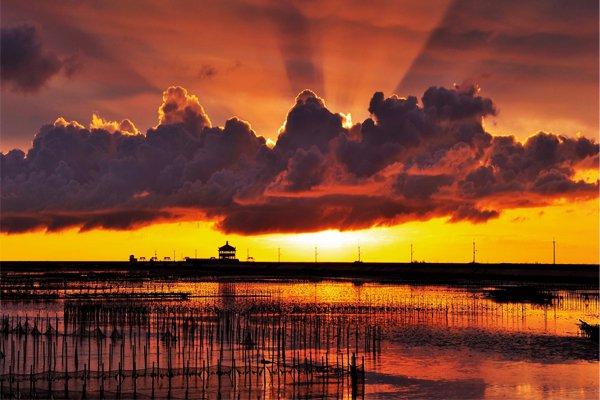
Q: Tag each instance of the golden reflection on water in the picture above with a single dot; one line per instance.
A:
(436, 341)
(450, 306)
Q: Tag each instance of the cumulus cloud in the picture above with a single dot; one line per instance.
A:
(125, 126)
(411, 160)
(309, 123)
(305, 170)
(26, 65)
(179, 107)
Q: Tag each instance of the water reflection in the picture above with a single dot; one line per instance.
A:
(277, 339)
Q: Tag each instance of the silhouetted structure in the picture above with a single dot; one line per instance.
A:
(227, 252)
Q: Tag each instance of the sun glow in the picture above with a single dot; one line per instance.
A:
(589, 175)
(346, 120)
(433, 241)
(331, 238)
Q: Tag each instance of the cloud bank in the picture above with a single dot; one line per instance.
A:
(411, 160)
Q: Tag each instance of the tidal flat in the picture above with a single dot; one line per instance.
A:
(263, 338)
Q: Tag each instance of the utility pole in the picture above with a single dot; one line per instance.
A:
(474, 251)
(411, 253)
(553, 251)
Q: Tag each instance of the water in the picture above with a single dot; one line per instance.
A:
(291, 339)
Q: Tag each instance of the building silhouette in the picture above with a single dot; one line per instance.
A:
(227, 252)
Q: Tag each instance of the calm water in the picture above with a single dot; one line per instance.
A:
(295, 339)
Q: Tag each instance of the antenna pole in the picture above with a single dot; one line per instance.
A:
(359, 253)
(474, 251)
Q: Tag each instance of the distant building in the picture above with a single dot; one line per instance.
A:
(227, 252)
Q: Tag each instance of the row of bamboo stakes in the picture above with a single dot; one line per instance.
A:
(226, 348)
(120, 351)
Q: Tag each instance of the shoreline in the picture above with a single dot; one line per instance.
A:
(421, 272)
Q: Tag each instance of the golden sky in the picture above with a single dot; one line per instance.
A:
(435, 174)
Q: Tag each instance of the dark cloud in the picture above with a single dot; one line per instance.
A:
(112, 220)
(181, 108)
(479, 182)
(538, 165)
(420, 186)
(211, 71)
(305, 170)
(409, 161)
(466, 212)
(401, 129)
(457, 104)
(309, 123)
(26, 65)
(528, 55)
(207, 71)
(307, 214)
(396, 125)
(556, 182)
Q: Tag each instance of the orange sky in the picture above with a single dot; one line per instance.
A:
(539, 67)
(251, 58)
(518, 236)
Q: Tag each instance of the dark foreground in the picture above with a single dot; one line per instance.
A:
(105, 333)
(426, 272)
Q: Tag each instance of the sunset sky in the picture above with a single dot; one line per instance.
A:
(134, 127)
